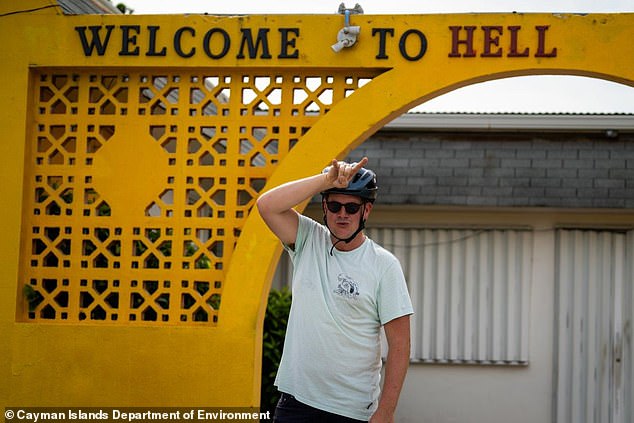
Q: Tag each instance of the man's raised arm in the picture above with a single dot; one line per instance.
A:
(276, 205)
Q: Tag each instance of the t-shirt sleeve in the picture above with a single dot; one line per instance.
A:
(303, 228)
(393, 299)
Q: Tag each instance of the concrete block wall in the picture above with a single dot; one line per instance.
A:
(498, 169)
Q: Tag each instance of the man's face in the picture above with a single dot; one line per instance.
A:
(343, 213)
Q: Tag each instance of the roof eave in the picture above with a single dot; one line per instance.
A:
(513, 122)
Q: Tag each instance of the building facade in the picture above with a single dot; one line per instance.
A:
(515, 233)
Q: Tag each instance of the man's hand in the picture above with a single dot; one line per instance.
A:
(341, 173)
(380, 417)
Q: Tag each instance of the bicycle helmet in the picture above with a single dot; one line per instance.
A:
(363, 185)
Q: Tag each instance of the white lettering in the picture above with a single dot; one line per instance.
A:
(35, 417)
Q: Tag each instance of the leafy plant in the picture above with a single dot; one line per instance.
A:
(33, 297)
(275, 321)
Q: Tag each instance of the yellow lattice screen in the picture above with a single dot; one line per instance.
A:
(137, 185)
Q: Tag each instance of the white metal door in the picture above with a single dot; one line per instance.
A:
(593, 329)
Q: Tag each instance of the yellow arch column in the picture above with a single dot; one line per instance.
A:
(392, 93)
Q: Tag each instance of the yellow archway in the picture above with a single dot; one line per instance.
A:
(176, 361)
(389, 95)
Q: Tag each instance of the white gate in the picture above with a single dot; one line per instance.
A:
(593, 329)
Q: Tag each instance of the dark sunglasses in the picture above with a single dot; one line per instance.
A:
(335, 206)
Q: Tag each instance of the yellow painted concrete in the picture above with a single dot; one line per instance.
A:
(119, 363)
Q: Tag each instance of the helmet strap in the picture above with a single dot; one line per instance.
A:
(351, 237)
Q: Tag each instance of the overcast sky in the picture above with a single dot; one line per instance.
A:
(556, 94)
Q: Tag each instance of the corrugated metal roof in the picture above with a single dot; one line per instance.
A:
(581, 122)
(88, 7)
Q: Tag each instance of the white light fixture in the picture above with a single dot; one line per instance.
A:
(347, 36)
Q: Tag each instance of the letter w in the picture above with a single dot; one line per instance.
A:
(95, 42)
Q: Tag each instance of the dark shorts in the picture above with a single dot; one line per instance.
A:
(289, 410)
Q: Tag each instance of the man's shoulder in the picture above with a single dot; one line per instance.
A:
(381, 254)
(310, 234)
(309, 224)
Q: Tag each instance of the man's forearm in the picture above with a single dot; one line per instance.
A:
(287, 196)
(276, 206)
(397, 333)
(395, 370)
(396, 367)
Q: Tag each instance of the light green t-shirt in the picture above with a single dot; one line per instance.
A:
(332, 351)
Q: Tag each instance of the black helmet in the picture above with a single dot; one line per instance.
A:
(363, 185)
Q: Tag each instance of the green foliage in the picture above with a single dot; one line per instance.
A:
(33, 297)
(123, 8)
(275, 321)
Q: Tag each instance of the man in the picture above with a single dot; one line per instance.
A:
(345, 287)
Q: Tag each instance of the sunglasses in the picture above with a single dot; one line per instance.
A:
(335, 206)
